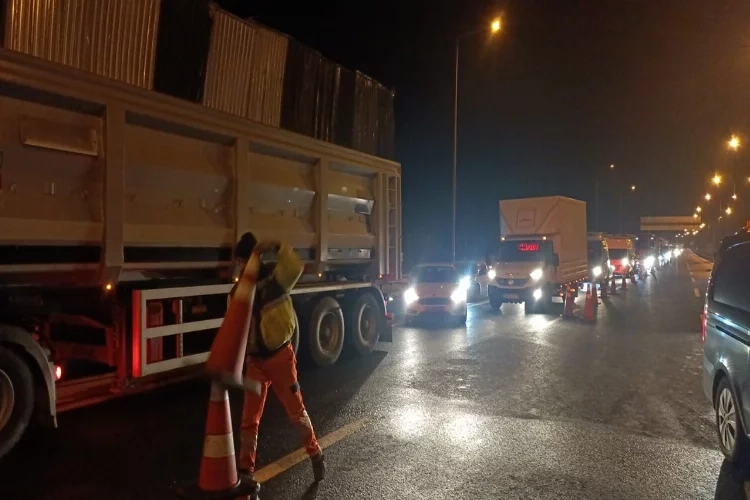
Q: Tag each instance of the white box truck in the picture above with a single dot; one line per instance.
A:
(542, 251)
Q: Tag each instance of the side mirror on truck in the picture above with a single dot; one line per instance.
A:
(555, 260)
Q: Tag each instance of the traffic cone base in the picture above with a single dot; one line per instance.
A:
(218, 478)
(603, 289)
(624, 283)
(613, 286)
(569, 303)
(190, 491)
(589, 307)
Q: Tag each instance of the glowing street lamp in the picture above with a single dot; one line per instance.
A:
(494, 27)
(734, 196)
(703, 224)
(695, 216)
(698, 209)
(708, 196)
(716, 179)
(632, 188)
(734, 143)
(729, 210)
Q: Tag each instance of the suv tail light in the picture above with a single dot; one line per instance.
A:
(703, 323)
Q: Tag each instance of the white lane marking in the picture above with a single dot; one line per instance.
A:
(285, 463)
(697, 292)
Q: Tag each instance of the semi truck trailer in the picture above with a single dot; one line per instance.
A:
(119, 210)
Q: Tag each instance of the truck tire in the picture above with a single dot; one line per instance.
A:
(325, 335)
(365, 322)
(16, 399)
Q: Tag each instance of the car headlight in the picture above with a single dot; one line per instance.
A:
(649, 261)
(464, 283)
(625, 261)
(491, 274)
(410, 296)
(596, 271)
(537, 274)
(537, 294)
(459, 295)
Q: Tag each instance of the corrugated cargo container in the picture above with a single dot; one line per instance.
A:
(267, 76)
(111, 38)
(300, 83)
(344, 120)
(386, 124)
(245, 70)
(182, 48)
(365, 114)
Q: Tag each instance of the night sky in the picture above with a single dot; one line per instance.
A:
(654, 86)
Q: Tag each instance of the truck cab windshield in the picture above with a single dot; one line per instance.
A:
(596, 249)
(525, 251)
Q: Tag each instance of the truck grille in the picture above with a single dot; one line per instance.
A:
(511, 282)
(435, 301)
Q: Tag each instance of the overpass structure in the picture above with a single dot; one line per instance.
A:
(672, 224)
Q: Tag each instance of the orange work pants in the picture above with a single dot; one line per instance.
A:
(280, 372)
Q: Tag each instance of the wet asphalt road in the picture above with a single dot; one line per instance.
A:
(511, 406)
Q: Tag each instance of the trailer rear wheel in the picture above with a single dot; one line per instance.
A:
(365, 322)
(16, 399)
(325, 336)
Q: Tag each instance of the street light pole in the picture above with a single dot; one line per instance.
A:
(494, 27)
(596, 200)
(455, 148)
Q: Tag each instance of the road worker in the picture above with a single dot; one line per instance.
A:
(271, 360)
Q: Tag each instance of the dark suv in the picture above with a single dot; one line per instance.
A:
(726, 345)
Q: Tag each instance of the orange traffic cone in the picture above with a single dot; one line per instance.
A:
(218, 478)
(624, 283)
(227, 355)
(632, 277)
(589, 307)
(613, 289)
(569, 303)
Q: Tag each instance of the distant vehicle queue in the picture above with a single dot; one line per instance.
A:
(544, 250)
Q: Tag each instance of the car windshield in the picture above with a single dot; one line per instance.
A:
(466, 268)
(618, 253)
(524, 251)
(435, 274)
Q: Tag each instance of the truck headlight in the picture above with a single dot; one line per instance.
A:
(410, 296)
(491, 274)
(649, 261)
(459, 295)
(596, 271)
(625, 262)
(537, 274)
(537, 294)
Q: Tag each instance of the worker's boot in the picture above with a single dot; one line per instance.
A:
(318, 466)
(248, 478)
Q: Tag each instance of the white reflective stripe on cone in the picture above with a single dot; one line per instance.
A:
(219, 392)
(220, 446)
